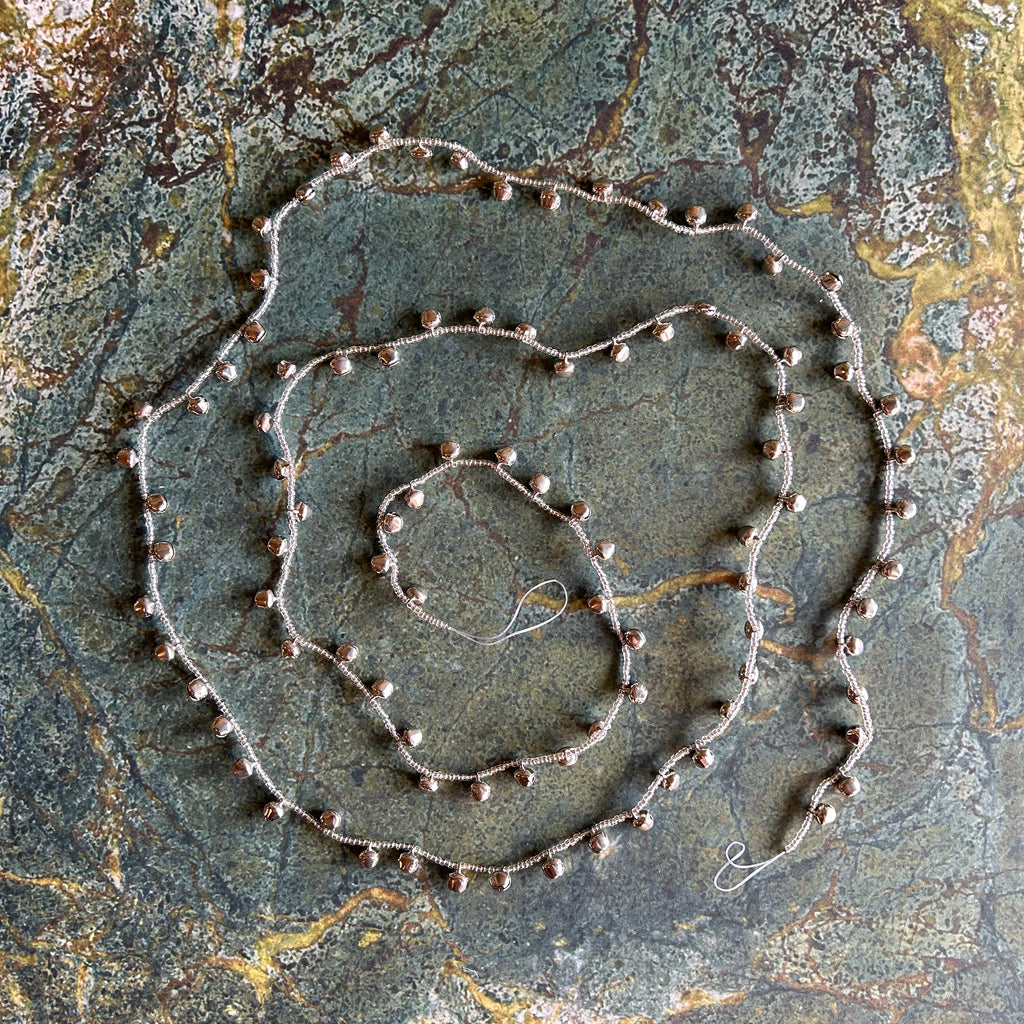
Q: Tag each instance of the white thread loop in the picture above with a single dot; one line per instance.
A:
(731, 861)
(498, 638)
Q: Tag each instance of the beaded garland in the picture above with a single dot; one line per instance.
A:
(410, 856)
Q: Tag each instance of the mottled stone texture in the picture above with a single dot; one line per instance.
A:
(138, 880)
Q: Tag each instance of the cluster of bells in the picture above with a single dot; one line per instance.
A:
(409, 860)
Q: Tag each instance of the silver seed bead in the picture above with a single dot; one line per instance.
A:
(450, 450)
(553, 868)
(484, 316)
(156, 503)
(506, 456)
(501, 190)
(144, 607)
(412, 737)
(348, 653)
(540, 484)
(416, 595)
(599, 842)
(273, 811)
(889, 404)
(663, 332)
(305, 193)
(264, 599)
(163, 551)
(330, 820)
(854, 646)
(795, 402)
(339, 160)
(619, 353)
(905, 508)
(242, 768)
(597, 604)
(392, 522)
(254, 331)
(843, 371)
(853, 735)
(142, 410)
(197, 689)
(369, 857)
(380, 564)
(221, 727)
(772, 449)
(703, 758)
(891, 570)
(603, 189)
(567, 757)
(408, 862)
(459, 161)
(550, 199)
(389, 356)
(825, 813)
(341, 365)
(604, 549)
(281, 469)
(634, 638)
(671, 781)
(286, 370)
(420, 153)
(842, 328)
(227, 372)
(261, 225)
(457, 881)
(277, 546)
(848, 786)
(500, 880)
(643, 821)
(658, 209)
(414, 498)
(771, 264)
(565, 368)
(290, 649)
(580, 511)
(264, 422)
(428, 783)
(164, 652)
(747, 536)
(791, 355)
(867, 608)
(431, 319)
(379, 134)
(904, 454)
(526, 777)
(260, 279)
(735, 340)
(747, 212)
(831, 281)
(126, 457)
(637, 693)
(480, 792)
(795, 502)
(382, 688)
(695, 216)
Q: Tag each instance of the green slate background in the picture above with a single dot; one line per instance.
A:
(138, 879)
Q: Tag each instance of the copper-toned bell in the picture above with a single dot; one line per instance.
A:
(484, 316)
(226, 372)
(480, 792)
(526, 777)
(330, 820)
(408, 862)
(505, 456)
(748, 536)
(644, 821)
(264, 599)
(853, 735)
(599, 842)
(412, 737)
(603, 189)
(659, 211)
(264, 422)
(348, 653)
(144, 607)
(254, 331)
(369, 857)
(281, 469)
(795, 502)
(889, 404)
(597, 604)
(457, 881)
(867, 608)
(389, 356)
(580, 511)
(380, 564)
(553, 868)
(306, 192)
(853, 645)
(277, 546)
(637, 693)
(831, 281)
(285, 369)
(604, 549)
(843, 371)
(156, 503)
(905, 508)
(848, 786)
(392, 522)
(341, 365)
(500, 880)
(450, 450)
(619, 353)
(567, 757)
(379, 134)
(891, 570)
(540, 484)
(663, 332)
(164, 652)
(501, 190)
(565, 368)
(842, 328)
(725, 710)
(273, 811)
(795, 402)
(597, 731)
(416, 595)
(382, 688)
(260, 279)
(671, 781)
(242, 768)
(339, 160)
(163, 551)
(127, 458)
(695, 216)
(904, 454)
(771, 264)
(772, 449)
(459, 160)
(428, 783)
(142, 410)
(431, 319)
(550, 199)
(634, 638)
(290, 649)
(703, 758)
(420, 152)
(735, 340)
(198, 689)
(413, 498)
(526, 332)
(746, 213)
(791, 355)
(825, 813)
(221, 726)
(261, 225)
